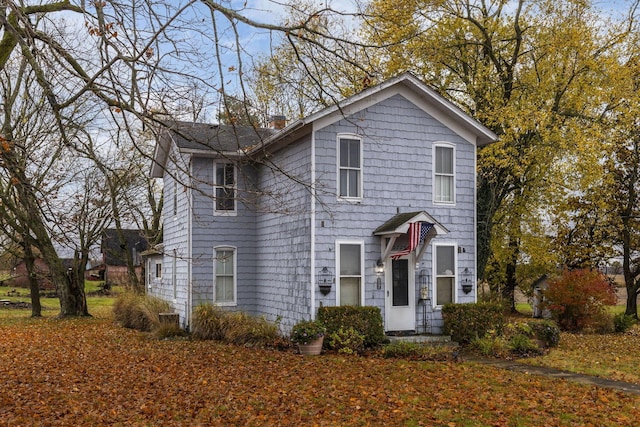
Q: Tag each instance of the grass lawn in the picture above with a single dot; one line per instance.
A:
(51, 306)
(90, 371)
(612, 356)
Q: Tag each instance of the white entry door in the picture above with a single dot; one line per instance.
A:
(400, 305)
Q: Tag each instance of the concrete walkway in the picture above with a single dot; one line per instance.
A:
(557, 373)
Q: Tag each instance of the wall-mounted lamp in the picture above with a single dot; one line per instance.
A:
(379, 269)
(324, 281)
(467, 285)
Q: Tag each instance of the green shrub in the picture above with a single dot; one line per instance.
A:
(243, 329)
(577, 299)
(466, 322)
(522, 345)
(416, 351)
(140, 312)
(622, 322)
(367, 321)
(546, 331)
(490, 345)
(208, 322)
(235, 327)
(347, 341)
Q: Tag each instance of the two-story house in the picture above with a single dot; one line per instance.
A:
(368, 202)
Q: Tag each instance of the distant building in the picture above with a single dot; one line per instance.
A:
(114, 254)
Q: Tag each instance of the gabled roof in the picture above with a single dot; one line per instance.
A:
(227, 140)
(408, 85)
(399, 223)
(113, 252)
(205, 139)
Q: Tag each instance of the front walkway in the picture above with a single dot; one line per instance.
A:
(557, 373)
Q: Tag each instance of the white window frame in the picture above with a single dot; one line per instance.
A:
(217, 185)
(235, 275)
(452, 147)
(360, 168)
(454, 296)
(362, 277)
(158, 267)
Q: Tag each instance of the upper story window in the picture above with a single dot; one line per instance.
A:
(444, 174)
(349, 166)
(225, 187)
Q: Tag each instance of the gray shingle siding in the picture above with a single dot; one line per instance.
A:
(271, 229)
(398, 140)
(283, 235)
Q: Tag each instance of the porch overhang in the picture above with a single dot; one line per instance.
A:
(399, 225)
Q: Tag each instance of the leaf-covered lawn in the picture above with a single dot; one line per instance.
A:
(92, 372)
(614, 356)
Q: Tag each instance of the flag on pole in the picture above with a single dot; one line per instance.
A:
(417, 232)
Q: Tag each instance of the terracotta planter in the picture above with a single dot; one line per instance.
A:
(311, 349)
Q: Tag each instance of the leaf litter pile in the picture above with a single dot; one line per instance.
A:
(93, 372)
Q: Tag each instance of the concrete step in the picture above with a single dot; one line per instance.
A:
(422, 339)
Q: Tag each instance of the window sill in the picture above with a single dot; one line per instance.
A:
(225, 304)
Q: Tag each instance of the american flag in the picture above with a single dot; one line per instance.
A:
(417, 232)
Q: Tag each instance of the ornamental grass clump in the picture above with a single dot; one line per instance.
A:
(306, 331)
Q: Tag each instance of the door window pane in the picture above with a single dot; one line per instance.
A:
(400, 273)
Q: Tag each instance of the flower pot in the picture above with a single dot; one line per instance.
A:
(312, 348)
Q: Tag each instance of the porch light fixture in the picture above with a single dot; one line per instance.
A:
(324, 281)
(379, 269)
(466, 281)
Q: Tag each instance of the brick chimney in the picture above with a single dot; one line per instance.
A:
(277, 122)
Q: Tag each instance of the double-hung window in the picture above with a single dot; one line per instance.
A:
(349, 167)
(444, 174)
(225, 187)
(225, 276)
(445, 274)
(350, 278)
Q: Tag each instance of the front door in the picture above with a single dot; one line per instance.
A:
(400, 295)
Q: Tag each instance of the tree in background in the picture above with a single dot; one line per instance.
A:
(533, 73)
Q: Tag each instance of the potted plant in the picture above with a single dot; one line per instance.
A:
(309, 335)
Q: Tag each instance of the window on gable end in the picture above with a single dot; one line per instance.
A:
(444, 174)
(349, 167)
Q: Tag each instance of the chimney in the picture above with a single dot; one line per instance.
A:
(277, 122)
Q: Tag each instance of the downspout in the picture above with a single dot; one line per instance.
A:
(474, 277)
(312, 278)
(189, 301)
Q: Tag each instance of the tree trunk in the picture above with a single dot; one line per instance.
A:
(632, 301)
(509, 290)
(34, 287)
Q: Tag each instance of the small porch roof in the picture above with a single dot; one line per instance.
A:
(399, 225)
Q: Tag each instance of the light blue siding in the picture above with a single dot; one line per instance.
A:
(398, 138)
